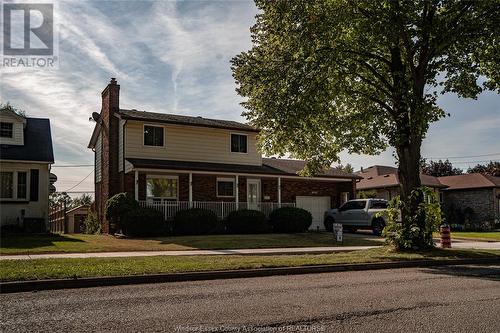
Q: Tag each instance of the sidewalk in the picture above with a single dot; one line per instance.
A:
(283, 250)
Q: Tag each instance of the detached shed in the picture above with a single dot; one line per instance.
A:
(75, 218)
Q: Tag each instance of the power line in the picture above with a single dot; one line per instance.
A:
(473, 162)
(470, 156)
(81, 181)
(73, 166)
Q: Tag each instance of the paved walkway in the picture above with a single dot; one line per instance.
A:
(283, 250)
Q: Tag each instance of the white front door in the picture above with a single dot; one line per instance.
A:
(253, 193)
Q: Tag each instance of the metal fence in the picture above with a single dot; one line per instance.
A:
(221, 209)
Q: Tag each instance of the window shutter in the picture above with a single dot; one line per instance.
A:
(34, 179)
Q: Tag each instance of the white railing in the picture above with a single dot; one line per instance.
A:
(221, 209)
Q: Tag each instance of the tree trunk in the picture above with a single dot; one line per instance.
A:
(409, 177)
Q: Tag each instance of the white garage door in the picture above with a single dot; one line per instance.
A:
(316, 206)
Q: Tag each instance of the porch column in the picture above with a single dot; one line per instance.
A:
(236, 193)
(136, 185)
(279, 192)
(190, 190)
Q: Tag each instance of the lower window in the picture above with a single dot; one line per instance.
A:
(160, 188)
(6, 185)
(225, 187)
(13, 185)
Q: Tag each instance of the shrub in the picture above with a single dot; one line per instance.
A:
(119, 204)
(290, 220)
(143, 222)
(246, 221)
(194, 221)
(91, 224)
(407, 236)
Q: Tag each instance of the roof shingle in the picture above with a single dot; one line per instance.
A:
(468, 181)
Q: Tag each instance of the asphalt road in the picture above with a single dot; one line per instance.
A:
(440, 299)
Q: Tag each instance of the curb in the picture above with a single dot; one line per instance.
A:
(37, 285)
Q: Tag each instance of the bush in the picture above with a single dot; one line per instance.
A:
(91, 224)
(194, 221)
(143, 222)
(246, 221)
(290, 220)
(410, 235)
(119, 204)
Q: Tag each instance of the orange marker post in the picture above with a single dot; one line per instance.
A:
(444, 230)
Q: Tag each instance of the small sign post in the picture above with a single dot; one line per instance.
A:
(337, 232)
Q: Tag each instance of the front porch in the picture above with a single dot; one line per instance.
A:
(224, 192)
(221, 208)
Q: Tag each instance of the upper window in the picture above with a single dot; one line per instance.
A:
(7, 185)
(6, 130)
(238, 143)
(225, 187)
(153, 136)
(159, 188)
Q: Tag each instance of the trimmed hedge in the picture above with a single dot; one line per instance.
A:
(247, 221)
(290, 220)
(194, 221)
(119, 205)
(142, 222)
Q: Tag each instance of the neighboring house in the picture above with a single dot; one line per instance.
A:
(384, 181)
(75, 218)
(25, 159)
(174, 162)
(476, 191)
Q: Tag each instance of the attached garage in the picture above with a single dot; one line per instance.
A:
(316, 206)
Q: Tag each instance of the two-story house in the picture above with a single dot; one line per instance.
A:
(174, 162)
(25, 158)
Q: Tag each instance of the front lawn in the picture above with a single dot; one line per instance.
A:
(15, 270)
(491, 236)
(55, 243)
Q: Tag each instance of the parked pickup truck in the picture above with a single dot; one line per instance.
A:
(357, 214)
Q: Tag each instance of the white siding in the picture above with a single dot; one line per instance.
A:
(190, 143)
(98, 158)
(17, 129)
(10, 213)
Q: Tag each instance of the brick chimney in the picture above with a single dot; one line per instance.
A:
(109, 184)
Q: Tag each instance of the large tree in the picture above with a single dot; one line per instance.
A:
(324, 76)
(440, 168)
(492, 169)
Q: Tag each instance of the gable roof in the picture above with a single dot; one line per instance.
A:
(295, 166)
(185, 120)
(37, 143)
(469, 181)
(380, 176)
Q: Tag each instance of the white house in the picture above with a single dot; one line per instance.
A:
(25, 158)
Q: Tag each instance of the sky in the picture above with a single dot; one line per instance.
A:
(173, 57)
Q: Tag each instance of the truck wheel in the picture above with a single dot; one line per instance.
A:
(378, 226)
(329, 221)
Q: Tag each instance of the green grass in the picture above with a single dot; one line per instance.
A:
(16, 270)
(23, 244)
(484, 236)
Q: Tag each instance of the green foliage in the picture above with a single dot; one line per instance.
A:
(491, 169)
(246, 221)
(119, 205)
(58, 198)
(368, 194)
(9, 107)
(345, 168)
(439, 168)
(409, 234)
(84, 200)
(290, 220)
(142, 222)
(194, 221)
(324, 77)
(91, 224)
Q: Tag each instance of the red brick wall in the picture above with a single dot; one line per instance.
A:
(110, 178)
